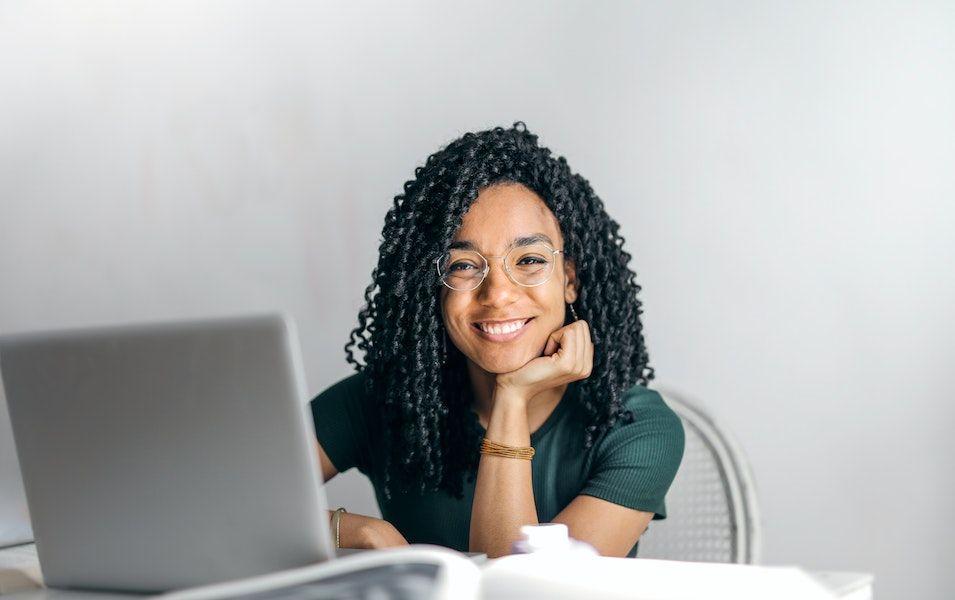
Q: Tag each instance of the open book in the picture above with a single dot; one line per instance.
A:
(423, 571)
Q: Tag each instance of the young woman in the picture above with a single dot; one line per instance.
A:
(504, 372)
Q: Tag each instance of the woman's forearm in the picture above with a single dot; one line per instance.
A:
(350, 531)
(503, 493)
(360, 531)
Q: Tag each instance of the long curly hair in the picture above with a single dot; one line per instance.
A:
(416, 374)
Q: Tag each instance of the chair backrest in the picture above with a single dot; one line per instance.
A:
(712, 510)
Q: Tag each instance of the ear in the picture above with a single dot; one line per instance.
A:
(570, 281)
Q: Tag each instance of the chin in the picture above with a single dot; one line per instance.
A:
(498, 367)
(503, 364)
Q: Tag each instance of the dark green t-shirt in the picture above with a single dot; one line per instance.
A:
(632, 464)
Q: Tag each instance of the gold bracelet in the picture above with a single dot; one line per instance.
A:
(336, 525)
(495, 449)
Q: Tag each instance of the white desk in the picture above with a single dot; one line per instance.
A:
(507, 577)
(533, 576)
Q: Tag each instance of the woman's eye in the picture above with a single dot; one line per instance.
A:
(532, 260)
(460, 267)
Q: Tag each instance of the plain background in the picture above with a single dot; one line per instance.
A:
(783, 173)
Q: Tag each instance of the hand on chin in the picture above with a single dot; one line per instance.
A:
(568, 356)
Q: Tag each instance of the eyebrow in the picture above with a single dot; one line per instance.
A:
(524, 240)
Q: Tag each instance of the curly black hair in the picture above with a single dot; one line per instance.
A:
(419, 378)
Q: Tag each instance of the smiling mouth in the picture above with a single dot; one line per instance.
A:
(502, 330)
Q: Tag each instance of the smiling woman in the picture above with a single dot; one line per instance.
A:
(504, 374)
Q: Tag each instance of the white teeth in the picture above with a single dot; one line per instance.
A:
(499, 328)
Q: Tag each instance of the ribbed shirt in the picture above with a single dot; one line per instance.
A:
(631, 464)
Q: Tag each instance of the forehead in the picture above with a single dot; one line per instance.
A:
(503, 213)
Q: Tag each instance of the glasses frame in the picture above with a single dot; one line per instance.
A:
(487, 267)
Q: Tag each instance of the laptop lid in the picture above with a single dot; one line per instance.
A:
(163, 456)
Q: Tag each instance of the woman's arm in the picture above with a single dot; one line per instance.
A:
(610, 528)
(503, 493)
(359, 531)
(504, 498)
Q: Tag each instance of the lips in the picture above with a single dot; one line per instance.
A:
(502, 331)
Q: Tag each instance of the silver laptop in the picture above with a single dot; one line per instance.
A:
(162, 456)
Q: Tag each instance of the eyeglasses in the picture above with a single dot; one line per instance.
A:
(527, 266)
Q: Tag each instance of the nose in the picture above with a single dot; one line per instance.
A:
(497, 289)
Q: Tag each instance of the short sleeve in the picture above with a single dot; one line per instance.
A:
(342, 425)
(635, 463)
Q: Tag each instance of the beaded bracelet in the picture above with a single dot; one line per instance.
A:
(495, 449)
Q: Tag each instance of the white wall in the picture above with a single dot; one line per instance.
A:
(783, 174)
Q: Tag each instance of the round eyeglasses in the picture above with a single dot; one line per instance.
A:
(527, 266)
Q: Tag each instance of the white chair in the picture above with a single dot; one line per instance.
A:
(712, 510)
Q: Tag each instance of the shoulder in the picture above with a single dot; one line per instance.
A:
(649, 406)
(352, 385)
(349, 394)
(637, 458)
(654, 427)
(344, 424)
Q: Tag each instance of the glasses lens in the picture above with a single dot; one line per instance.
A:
(462, 269)
(530, 265)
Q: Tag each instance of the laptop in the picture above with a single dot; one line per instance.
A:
(167, 455)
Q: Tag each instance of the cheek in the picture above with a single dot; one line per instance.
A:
(551, 303)
(453, 314)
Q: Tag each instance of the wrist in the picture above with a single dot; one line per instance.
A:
(507, 423)
(508, 395)
(336, 517)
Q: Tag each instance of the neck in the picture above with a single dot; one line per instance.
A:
(539, 406)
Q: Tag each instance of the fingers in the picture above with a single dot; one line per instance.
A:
(588, 361)
(559, 342)
(552, 344)
(581, 348)
(571, 341)
(567, 356)
(584, 350)
(574, 348)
